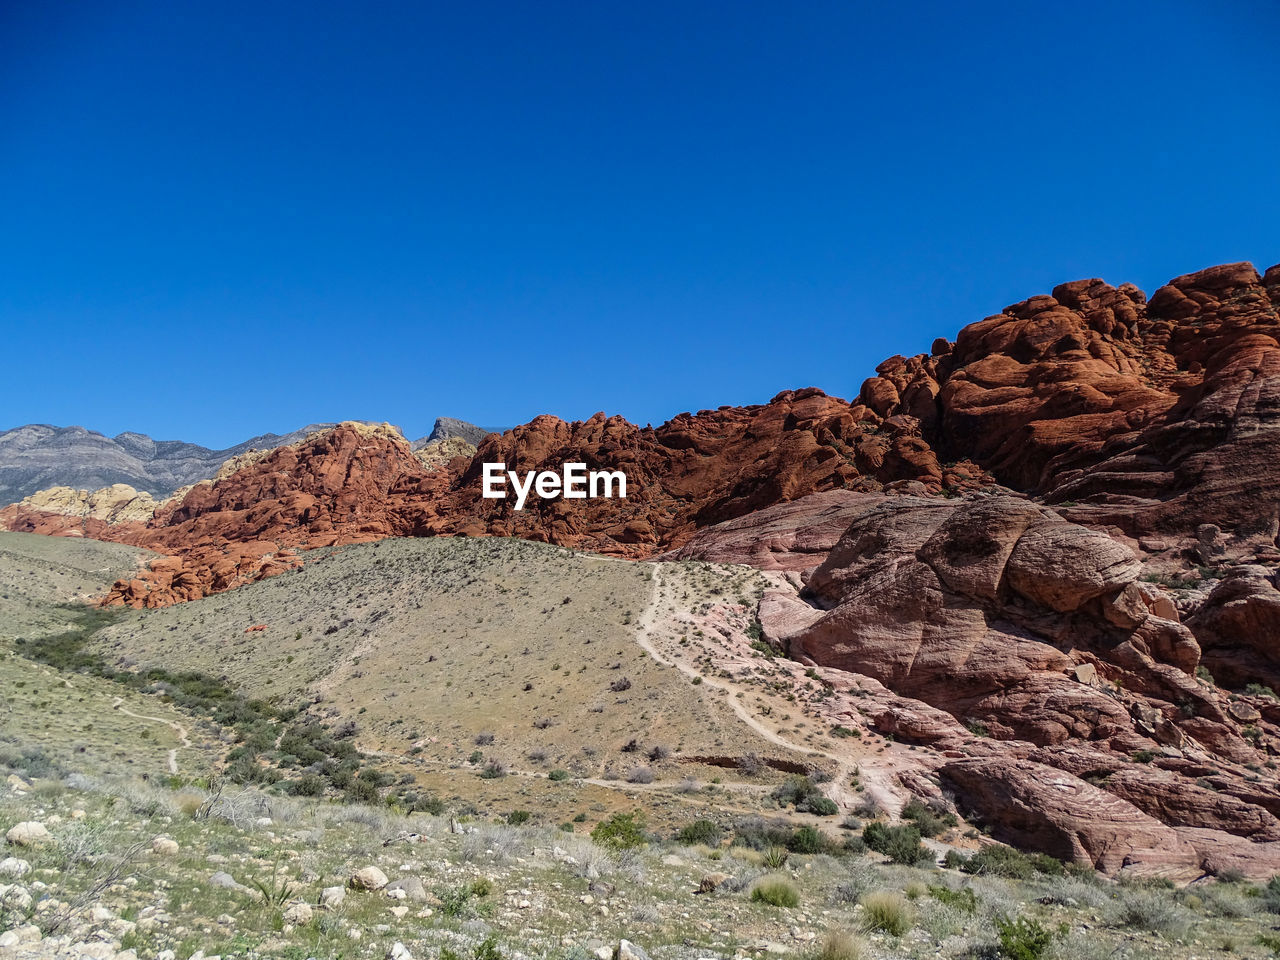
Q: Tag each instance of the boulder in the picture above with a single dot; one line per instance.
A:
(367, 878)
(29, 833)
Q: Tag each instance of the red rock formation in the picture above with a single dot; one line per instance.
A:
(1036, 632)
(1150, 417)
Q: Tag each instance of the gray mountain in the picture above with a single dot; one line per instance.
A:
(447, 427)
(38, 456)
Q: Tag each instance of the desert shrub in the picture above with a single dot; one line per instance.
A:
(840, 945)
(640, 775)
(493, 770)
(760, 834)
(308, 785)
(1001, 861)
(558, 775)
(1153, 911)
(622, 831)
(859, 880)
(776, 892)
(361, 791)
(887, 912)
(964, 899)
(901, 844)
(1023, 938)
(804, 794)
(700, 831)
(1271, 895)
(811, 840)
(930, 822)
(517, 817)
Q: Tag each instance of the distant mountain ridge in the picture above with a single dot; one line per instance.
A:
(38, 456)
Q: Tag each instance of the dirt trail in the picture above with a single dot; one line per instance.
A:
(177, 728)
(877, 781)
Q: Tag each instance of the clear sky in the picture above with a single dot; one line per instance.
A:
(220, 219)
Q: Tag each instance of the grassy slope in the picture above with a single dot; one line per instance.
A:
(431, 643)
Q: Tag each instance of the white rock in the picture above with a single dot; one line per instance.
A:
(397, 894)
(100, 914)
(13, 867)
(164, 846)
(166, 955)
(29, 833)
(399, 912)
(332, 897)
(78, 814)
(8, 939)
(298, 914)
(399, 951)
(630, 951)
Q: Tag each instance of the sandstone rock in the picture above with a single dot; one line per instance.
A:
(367, 878)
(1237, 626)
(29, 833)
(1038, 807)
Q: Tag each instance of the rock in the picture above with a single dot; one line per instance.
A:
(410, 888)
(29, 833)
(367, 878)
(712, 882)
(227, 882)
(629, 951)
(331, 897)
(1034, 806)
(1236, 627)
(8, 939)
(14, 867)
(399, 951)
(298, 913)
(164, 846)
(399, 912)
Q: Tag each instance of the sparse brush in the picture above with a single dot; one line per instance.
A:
(1152, 911)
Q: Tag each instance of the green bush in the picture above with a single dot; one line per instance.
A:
(930, 823)
(622, 831)
(558, 775)
(700, 831)
(1000, 861)
(309, 785)
(964, 899)
(775, 892)
(517, 817)
(804, 795)
(901, 844)
(1023, 938)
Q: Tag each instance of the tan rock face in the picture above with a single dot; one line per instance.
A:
(118, 503)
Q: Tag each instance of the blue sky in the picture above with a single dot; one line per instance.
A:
(220, 219)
